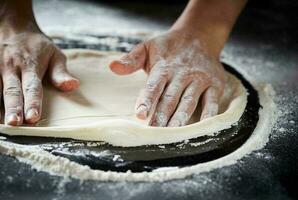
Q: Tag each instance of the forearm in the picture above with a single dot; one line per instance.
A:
(211, 20)
(16, 13)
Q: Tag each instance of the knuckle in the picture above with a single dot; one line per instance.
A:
(151, 86)
(168, 105)
(30, 63)
(12, 91)
(183, 74)
(33, 87)
(39, 39)
(29, 69)
(201, 76)
(205, 80)
(189, 99)
(182, 116)
(34, 104)
(162, 66)
(212, 93)
(14, 109)
(32, 91)
(213, 100)
(161, 118)
(164, 73)
(169, 97)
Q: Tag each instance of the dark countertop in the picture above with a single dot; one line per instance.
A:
(263, 43)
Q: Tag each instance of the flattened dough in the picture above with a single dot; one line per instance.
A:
(102, 109)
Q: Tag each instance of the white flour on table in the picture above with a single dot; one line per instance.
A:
(42, 160)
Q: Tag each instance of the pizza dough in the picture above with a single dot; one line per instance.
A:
(102, 109)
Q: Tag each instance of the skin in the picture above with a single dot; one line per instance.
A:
(26, 55)
(183, 64)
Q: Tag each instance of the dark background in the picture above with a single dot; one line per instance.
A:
(263, 44)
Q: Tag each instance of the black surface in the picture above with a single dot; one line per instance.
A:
(150, 157)
(264, 38)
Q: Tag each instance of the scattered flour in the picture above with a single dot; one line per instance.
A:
(117, 158)
(41, 160)
(2, 138)
(196, 144)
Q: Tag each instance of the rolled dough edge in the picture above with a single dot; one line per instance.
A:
(44, 161)
(120, 132)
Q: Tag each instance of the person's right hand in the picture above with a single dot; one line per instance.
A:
(182, 69)
(25, 56)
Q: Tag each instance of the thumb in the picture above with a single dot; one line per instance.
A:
(59, 75)
(130, 62)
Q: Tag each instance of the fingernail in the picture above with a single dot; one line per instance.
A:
(205, 116)
(12, 119)
(174, 123)
(31, 114)
(153, 123)
(142, 112)
(123, 61)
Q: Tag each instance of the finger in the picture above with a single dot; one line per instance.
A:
(32, 91)
(13, 99)
(187, 104)
(151, 93)
(130, 62)
(168, 102)
(210, 103)
(59, 75)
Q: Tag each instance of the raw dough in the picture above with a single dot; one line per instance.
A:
(102, 109)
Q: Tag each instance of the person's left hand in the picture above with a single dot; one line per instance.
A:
(26, 54)
(181, 70)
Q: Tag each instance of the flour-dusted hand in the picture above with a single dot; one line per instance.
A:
(183, 64)
(180, 70)
(26, 54)
(24, 59)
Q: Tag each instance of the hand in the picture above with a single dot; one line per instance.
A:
(25, 55)
(181, 70)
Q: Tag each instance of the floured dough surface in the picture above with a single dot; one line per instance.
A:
(102, 109)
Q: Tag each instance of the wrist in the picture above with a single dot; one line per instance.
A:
(209, 20)
(211, 41)
(17, 15)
